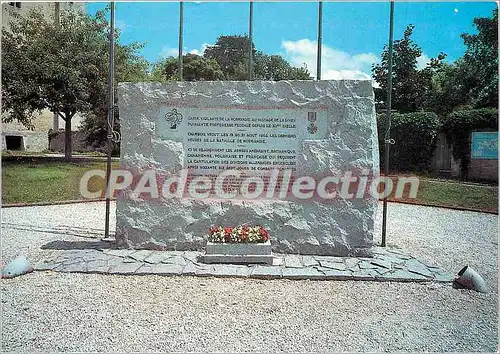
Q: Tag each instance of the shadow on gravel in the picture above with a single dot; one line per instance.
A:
(77, 245)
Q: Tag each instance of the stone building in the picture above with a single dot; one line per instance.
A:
(15, 136)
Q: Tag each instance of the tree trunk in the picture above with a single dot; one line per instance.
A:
(67, 138)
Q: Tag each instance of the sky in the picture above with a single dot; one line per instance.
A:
(354, 33)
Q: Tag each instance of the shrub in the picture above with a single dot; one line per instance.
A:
(414, 135)
(458, 126)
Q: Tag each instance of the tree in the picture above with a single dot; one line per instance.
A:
(410, 86)
(194, 68)
(274, 67)
(62, 68)
(231, 53)
(479, 65)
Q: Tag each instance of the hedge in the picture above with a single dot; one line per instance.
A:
(414, 135)
(458, 126)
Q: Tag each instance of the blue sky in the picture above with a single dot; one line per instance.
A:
(354, 33)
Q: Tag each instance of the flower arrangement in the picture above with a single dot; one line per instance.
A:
(238, 234)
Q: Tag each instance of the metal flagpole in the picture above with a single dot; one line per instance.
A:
(387, 136)
(111, 102)
(181, 25)
(250, 40)
(320, 35)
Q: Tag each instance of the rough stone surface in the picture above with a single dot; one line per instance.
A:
(342, 227)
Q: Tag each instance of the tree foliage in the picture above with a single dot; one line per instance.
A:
(228, 60)
(479, 66)
(231, 53)
(61, 67)
(415, 135)
(411, 87)
(194, 68)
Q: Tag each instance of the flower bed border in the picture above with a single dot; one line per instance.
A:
(245, 253)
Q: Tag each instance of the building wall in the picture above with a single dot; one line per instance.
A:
(443, 163)
(45, 7)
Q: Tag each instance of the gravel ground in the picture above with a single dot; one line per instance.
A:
(46, 311)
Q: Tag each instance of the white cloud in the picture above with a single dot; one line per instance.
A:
(169, 52)
(201, 50)
(335, 64)
(422, 61)
(173, 52)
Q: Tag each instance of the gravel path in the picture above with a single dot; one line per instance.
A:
(46, 311)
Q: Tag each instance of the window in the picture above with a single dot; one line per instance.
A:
(18, 5)
(12, 3)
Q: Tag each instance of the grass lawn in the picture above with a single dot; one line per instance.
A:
(59, 181)
(455, 194)
(46, 182)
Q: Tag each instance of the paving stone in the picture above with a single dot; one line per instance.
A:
(330, 259)
(415, 266)
(367, 272)
(176, 260)
(231, 270)
(367, 265)
(167, 269)
(97, 266)
(266, 272)
(402, 275)
(96, 255)
(140, 255)
(309, 261)
(194, 269)
(334, 274)
(191, 256)
(146, 269)
(119, 253)
(382, 263)
(128, 260)
(156, 257)
(332, 265)
(278, 261)
(73, 261)
(391, 259)
(380, 271)
(205, 271)
(80, 267)
(398, 266)
(113, 261)
(302, 273)
(47, 265)
(351, 262)
(125, 268)
(293, 261)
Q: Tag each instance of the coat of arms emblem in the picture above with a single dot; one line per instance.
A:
(174, 118)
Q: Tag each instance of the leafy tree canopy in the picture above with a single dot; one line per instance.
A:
(228, 60)
(410, 86)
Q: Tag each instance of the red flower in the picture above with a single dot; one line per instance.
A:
(213, 230)
(228, 230)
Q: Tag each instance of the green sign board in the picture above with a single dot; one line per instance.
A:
(484, 145)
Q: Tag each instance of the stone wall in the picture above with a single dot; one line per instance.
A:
(30, 141)
(348, 142)
(78, 141)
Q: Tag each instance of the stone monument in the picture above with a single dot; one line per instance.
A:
(257, 153)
